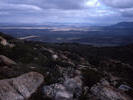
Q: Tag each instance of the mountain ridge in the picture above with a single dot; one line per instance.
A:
(123, 25)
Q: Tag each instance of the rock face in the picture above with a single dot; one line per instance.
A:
(66, 91)
(107, 92)
(5, 60)
(4, 42)
(20, 88)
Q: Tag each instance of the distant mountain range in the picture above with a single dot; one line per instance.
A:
(123, 25)
(62, 25)
(118, 25)
(117, 34)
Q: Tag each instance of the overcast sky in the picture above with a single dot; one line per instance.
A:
(66, 11)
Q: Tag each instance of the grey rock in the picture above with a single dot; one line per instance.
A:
(73, 83)
(49, 91)
(4, 42)
(57, 92)
(6, 60)
(7, 91)
(65, 91)
(64, 95)
(54, 57)
(20, 88)
(125, 88)
(106, 92)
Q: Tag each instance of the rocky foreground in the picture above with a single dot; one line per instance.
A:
(42, 71)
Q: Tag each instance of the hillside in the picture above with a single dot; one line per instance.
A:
(66, 71)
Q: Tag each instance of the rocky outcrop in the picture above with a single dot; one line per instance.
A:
(71, 89)
(7, 61)
(55, 57)
(20, 88)
(4, 42)
(103, 91)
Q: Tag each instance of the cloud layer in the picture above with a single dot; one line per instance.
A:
(119, 3)
(66, 11)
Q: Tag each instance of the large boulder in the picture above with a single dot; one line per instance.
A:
(20, 88)
(107, 92)
(6, 61)
(70, 90)
(4, 42)
(57, 92)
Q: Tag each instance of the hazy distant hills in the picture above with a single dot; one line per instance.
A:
(45, 25)
(122, 25)
(118, 25)
(117, 34)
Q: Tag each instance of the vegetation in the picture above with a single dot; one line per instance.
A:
(31, 56)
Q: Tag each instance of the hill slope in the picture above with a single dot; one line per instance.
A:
(81, 72)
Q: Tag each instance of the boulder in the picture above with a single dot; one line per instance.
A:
(107, 92)
(55, 57)
(125, 87)
(57, 92)
(4, 42)
(7, 61)
(70, 90)
(20, 88)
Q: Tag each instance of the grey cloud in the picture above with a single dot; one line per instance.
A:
(124, 7)
(10, 7)
(127, 12)
(52, 4)
(70, 11)
(119, 3)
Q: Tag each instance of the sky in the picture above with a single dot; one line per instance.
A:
(96, 12)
